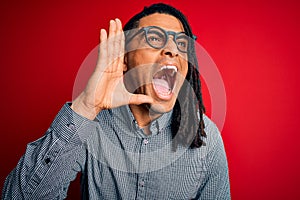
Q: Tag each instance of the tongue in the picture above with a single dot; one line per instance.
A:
(161, 86)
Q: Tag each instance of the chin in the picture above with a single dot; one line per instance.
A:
(160, 108)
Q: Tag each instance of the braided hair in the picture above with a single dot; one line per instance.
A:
(187, 123)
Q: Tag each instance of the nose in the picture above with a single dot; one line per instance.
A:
(170, 48)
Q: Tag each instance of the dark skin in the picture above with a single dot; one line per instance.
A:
(106, 89)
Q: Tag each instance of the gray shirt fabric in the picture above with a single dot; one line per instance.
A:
(118, 161)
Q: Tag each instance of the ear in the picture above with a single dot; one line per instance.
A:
(125, 68)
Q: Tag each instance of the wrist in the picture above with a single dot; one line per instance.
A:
(82, 108)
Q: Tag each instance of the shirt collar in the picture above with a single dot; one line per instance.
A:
(123, 115)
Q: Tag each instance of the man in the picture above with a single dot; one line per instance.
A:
(138, 130)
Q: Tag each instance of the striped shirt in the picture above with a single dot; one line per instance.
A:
(119, 161)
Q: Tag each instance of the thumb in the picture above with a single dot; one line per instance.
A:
(138, 99)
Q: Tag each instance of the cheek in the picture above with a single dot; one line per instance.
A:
(139, 58)
(184, 67)
(138, 71)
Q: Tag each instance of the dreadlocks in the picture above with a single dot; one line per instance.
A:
(187, 119)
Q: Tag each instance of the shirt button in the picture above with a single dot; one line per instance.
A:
(145, 141)
(71, 126)
(142, 183)
(47, 161)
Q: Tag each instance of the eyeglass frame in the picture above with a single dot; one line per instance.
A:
(166, 33)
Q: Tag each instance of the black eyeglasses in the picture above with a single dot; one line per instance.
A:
(157, 38)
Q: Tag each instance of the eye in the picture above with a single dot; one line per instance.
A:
(154, 38)
(182, 43)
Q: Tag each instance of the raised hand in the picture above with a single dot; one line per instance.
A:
(105, 88)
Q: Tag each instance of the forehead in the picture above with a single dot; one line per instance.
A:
(165, 21)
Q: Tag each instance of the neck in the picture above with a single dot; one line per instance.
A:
(143, 115)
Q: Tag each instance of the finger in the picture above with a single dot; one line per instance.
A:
(121, 41)
(138, 99)
(102, 57)
(120, 96)
(116, 46)
(112, 28)
(110, 45)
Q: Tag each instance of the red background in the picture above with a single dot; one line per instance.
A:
(255, 45)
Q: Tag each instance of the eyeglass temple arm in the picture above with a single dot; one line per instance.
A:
(138, 32)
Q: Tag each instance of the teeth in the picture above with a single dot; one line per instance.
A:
(169, 67)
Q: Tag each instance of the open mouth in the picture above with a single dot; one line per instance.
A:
(164, 80)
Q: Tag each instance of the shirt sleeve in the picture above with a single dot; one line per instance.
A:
(51, 162)
(216, 183)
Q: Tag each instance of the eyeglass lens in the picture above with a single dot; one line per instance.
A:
(157, 38)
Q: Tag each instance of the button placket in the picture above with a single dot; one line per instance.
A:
(141, 187)
(142, 177)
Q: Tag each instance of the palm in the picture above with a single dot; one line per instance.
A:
(105, 88)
